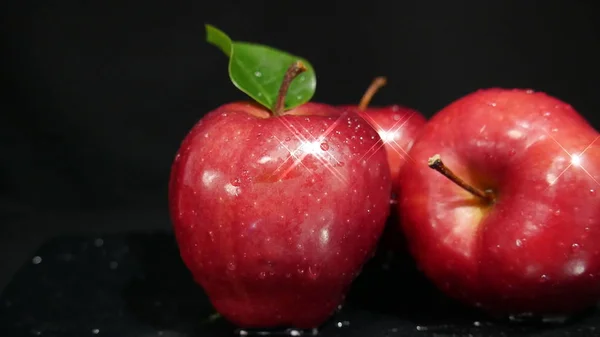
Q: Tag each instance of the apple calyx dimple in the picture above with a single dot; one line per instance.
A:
(292, 72)
(437, 164)
(377, 84)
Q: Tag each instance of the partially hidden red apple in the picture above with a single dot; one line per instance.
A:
(276, 213)
(398, 126)
(512, 223)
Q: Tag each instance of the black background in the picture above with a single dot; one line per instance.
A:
(98, 95)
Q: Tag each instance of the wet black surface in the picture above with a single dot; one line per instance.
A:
(136, 285)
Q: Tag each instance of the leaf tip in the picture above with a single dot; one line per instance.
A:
(218, 38)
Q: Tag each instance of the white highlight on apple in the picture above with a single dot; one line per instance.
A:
(324, 236)
(233, 191)
(576, 267)
(575, 160)
(208, 177)
(515, 134)
(386, 136)
(311, 147)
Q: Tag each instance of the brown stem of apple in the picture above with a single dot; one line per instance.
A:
(377, 83)
(292, 72)
(436, 163)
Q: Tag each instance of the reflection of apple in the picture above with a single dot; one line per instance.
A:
(526, 239)
(398, 126)
(276, 214)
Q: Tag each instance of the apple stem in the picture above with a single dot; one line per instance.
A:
(377, 83)
(436, 163)
(292, 72)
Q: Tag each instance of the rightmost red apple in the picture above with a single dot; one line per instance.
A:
(500, 206)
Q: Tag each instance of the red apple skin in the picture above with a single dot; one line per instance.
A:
(272, 241)
(398, 127)
(537, 249)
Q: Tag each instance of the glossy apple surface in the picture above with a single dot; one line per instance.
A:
(537, 248)
(275, 216)
(398, 127)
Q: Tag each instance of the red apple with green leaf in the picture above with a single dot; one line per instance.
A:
(278, 203)
(512, 223)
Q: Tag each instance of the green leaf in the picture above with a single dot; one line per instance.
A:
(219, 39)
(258, 70)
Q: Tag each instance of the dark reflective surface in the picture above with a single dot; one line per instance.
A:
(136, 285)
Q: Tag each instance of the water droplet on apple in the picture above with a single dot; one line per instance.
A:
(557, 212)
(592, 192)
(231, 266)
(300, 271)
(257, 74)
(575, 247)
(512, 152)
(544, 278)
(262, 275)
(547, 114)
(236, 181)
(313, 273)
(518, 243)
(324, 146)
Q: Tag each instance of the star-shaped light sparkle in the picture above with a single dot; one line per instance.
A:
(313, 146)
(387, 137)
(576, 160)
